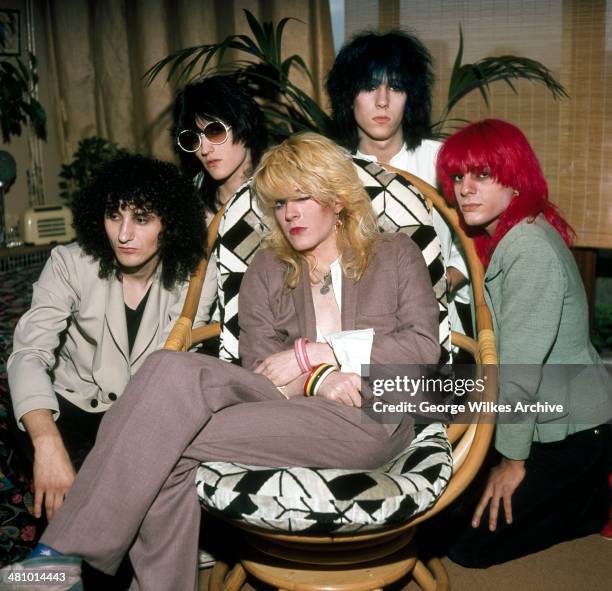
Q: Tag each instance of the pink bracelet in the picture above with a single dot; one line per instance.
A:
(301, 356)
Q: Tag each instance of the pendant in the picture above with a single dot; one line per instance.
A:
(326, 283)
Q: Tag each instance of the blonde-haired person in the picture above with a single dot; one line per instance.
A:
(331, 180)
(306, 184)
(327, 272)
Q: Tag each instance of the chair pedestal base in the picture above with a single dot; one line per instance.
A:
(289, 569)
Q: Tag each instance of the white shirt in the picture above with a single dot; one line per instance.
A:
(352, 348)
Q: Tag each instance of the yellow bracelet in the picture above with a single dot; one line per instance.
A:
(317, 375)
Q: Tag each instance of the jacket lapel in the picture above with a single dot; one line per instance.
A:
(115, 317)
(304, 308)
(149, 324)
(493, 282)
(349, 303)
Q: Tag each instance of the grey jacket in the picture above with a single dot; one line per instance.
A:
(73, 339)
(540, 315)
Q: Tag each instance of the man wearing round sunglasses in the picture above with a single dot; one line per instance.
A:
(216, 132)
(220, 136)
(199, 110)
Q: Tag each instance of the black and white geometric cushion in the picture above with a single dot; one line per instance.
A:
(316, 500)
(399, 206)
(240, 234)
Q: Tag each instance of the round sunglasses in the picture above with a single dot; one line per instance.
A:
(216, 132)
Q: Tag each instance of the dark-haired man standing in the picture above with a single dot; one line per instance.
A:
(380, 92)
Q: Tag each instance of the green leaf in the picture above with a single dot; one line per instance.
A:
(297, 59)
(177, 56)
(90, 155)
(249, 46)
(38, 118)
(18, 106)
(466, 78)
(254, 25)
(278, 37)
(193, 55)
(456, 66)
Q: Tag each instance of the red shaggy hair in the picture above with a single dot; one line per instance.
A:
(504, 151)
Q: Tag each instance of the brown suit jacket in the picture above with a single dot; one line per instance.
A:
(394, 297)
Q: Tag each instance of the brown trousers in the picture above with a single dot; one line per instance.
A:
(136, 490)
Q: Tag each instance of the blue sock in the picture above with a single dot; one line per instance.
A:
(43, 550)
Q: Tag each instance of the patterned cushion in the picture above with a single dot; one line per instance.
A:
(325, 500)
(240, 234)
(400, 207)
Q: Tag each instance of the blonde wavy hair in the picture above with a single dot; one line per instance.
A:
(310, 164)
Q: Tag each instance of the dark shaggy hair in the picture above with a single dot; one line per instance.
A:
(153, 186)
(363, 63)
(218, 97)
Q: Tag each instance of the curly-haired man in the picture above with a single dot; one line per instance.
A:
(100, 306)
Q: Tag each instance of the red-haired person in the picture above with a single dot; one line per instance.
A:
(550, 482)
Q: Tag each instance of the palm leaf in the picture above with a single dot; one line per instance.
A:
(278, 37)
(297, 98)
(265, 45)
(505, 68)
(453, 84)
(175, 58)
(287, 107)
(466, 78)
(259, 32)
(299, 63)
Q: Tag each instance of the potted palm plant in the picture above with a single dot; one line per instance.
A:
(18, 105)
(289, 109)
(91, 154)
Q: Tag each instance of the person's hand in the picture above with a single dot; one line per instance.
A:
(454, 279)
(343, 388)
(53, 476)
(503, 480)
(280, 368)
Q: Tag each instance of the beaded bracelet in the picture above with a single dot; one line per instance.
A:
(315, 379)
(301, 356)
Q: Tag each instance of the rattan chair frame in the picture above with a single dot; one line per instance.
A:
(372, 560)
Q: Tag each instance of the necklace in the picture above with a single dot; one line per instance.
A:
(326, 283)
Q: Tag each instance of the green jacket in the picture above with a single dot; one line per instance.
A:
(540, 315)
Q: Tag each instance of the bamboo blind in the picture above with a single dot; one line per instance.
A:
(573, 138)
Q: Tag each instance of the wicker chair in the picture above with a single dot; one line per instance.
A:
(374, 559)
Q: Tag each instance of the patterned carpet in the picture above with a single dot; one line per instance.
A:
(18, 529)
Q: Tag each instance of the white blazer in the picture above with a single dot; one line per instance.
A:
(73, 340)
